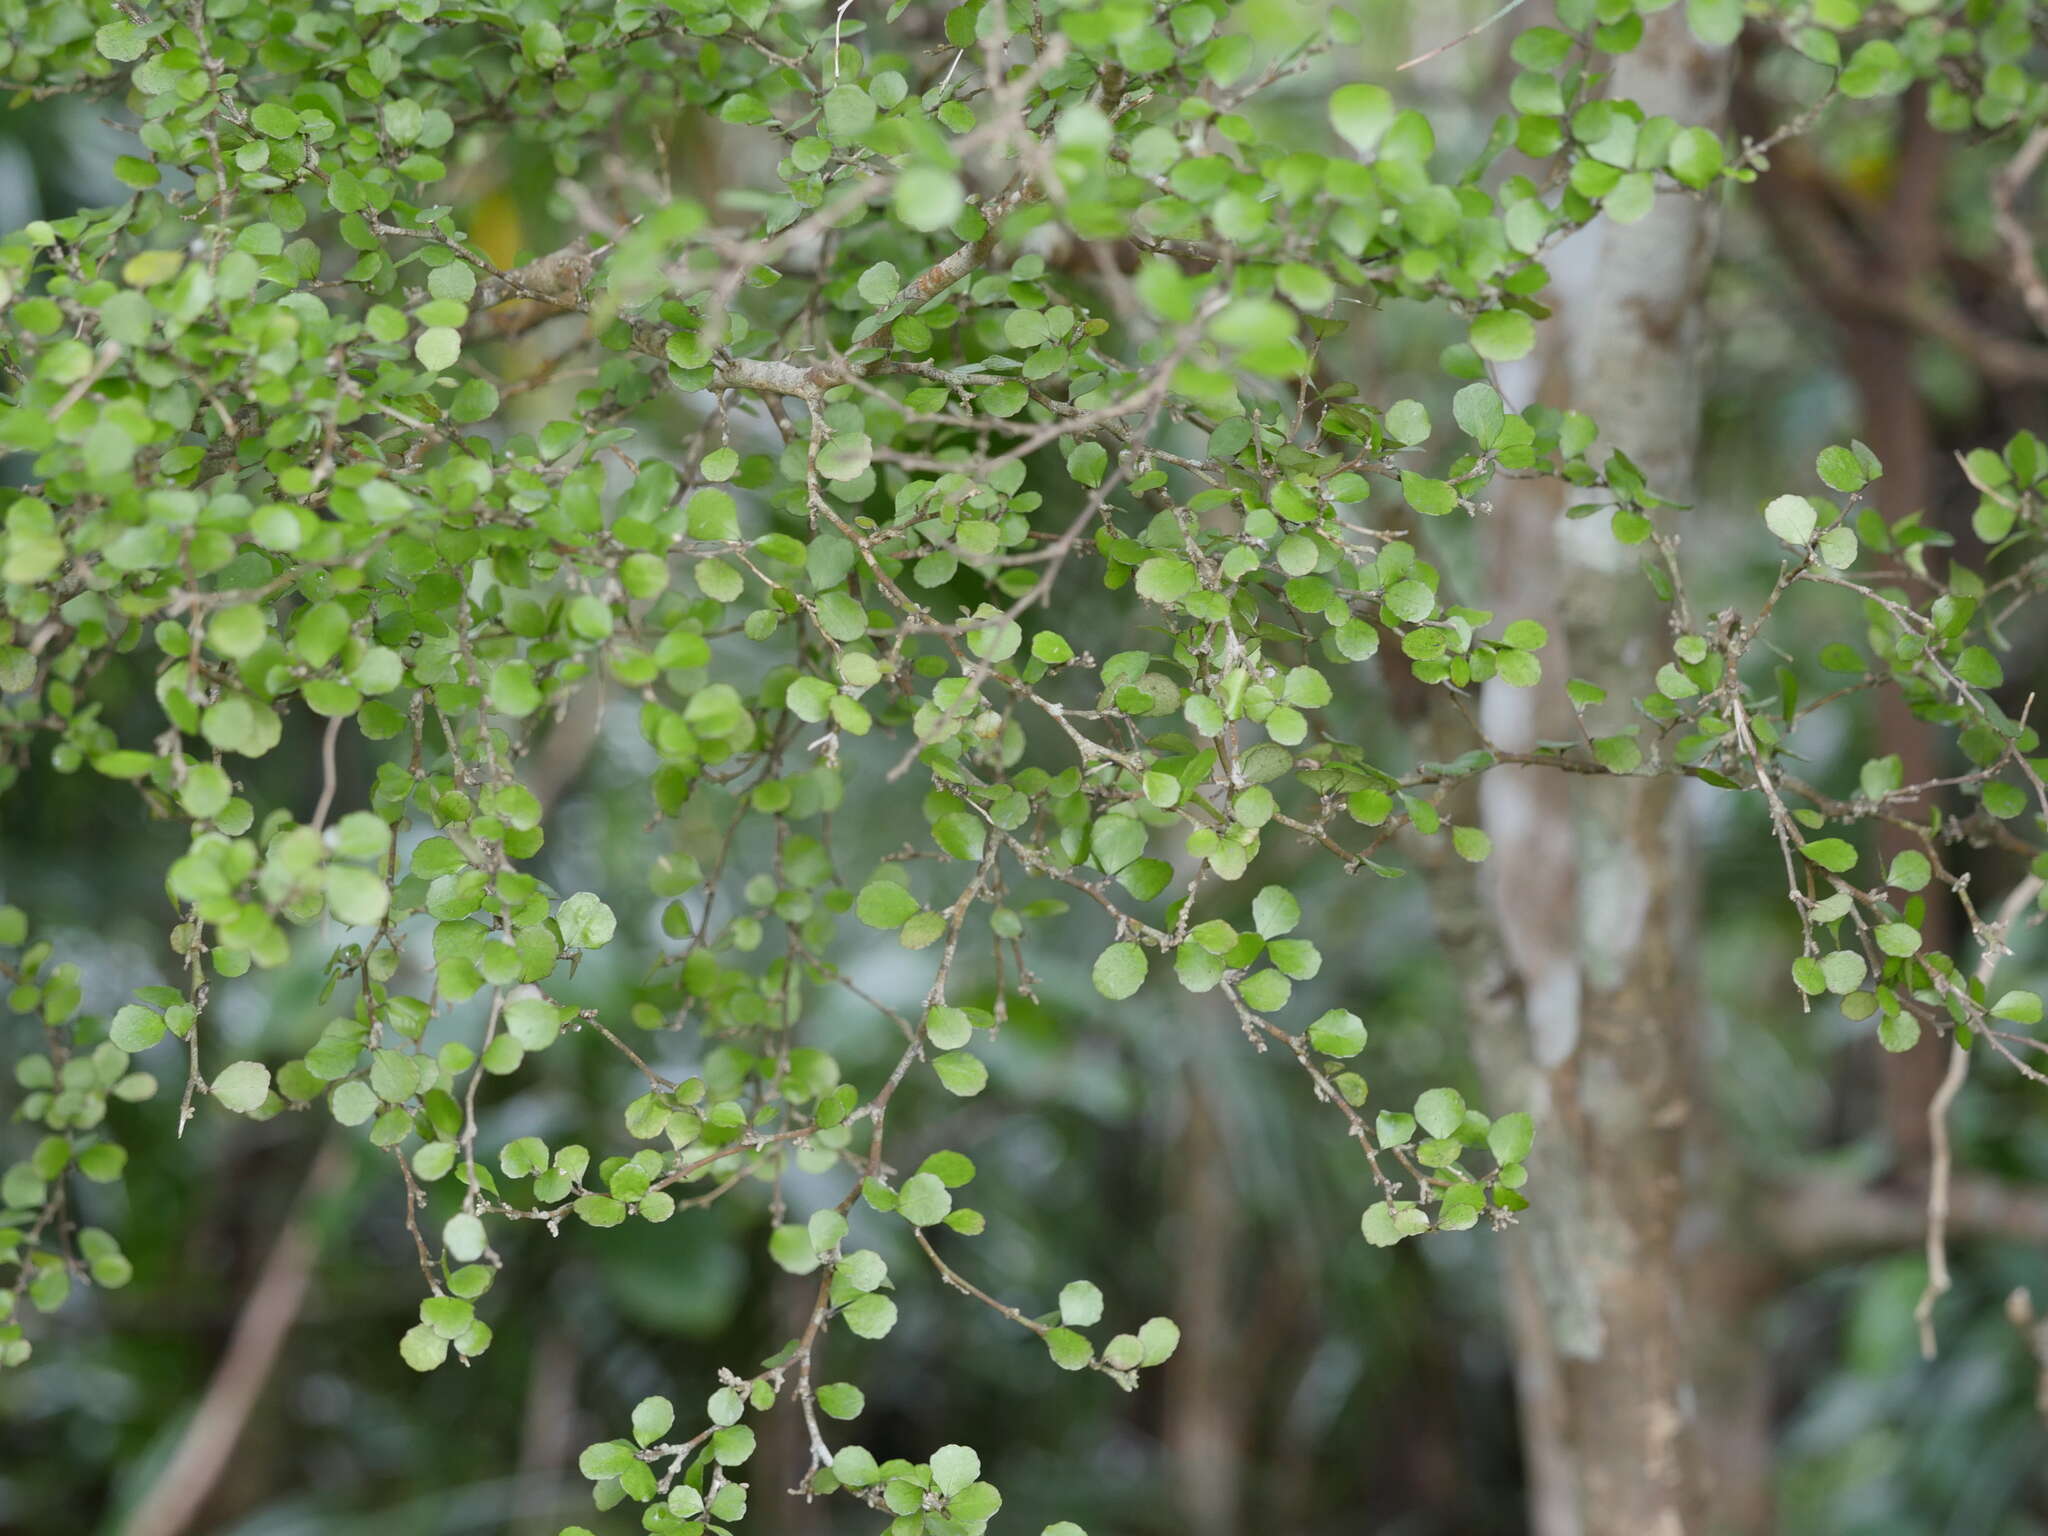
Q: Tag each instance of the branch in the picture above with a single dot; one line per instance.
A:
(1804, 213)
(559, 283)
(1939, 1192)
(1826, 1220)
(1463, 37)
(327, 773)
(2019, 245)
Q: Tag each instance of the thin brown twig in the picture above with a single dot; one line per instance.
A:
(327, 773)
(1942, 1169)
(1463, 37)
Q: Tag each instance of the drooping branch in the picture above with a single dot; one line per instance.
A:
(1940, 1202)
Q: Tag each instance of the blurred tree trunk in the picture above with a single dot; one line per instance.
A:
(1575, 941)
(1205, 1412)
(547, 1431)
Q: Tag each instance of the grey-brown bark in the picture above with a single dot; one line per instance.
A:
(1574, 941)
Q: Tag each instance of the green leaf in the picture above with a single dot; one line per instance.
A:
(1120, 970)
(1503, 335)
(1840, 470)
(600, 1210)
(1409, 601)
(846, 456)
(1875, 69)
(1715, 22)
(2018, 1007)
(438, 348)
(1979, 668)
(871, 1316)
(609, 1458)
(1432, 498)
(792, 1250)
(1831, 853)
(1379, 1226)
(541, 42)
(652, 1418)
(1440, 1111)
(842, 617)
(1275, 911)
(1792, 519)
(1910, 871)
(357, 897)
(732, 1445)
(586, 922)
(136, 1029)
(855, 1467)
(1361, 114)
(1842, 971)
(242, 1086)
(1080, 1304)
(1158, 1338)
(927, 198)
(1338, 1033)
(1631, 199)
(1480, 412)
(1472, 843)
(951, 1169)
(841, 1400)
(1165, 580)
(923, 1201)
(121, 41)
(849, 112)
(962, 1072)
(463, 1237)
(1265, 991)
(953, 1468)
(513, 689)
(1070, 1351)
(884, 904)
(1408, 422)
(1898, 1031)
(880, 283)
(1696, 157)
(1510, 1137)
(422, 1348)
(712, 515)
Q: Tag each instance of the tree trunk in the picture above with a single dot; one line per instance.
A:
(1205, 1411)
(1575, 941)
